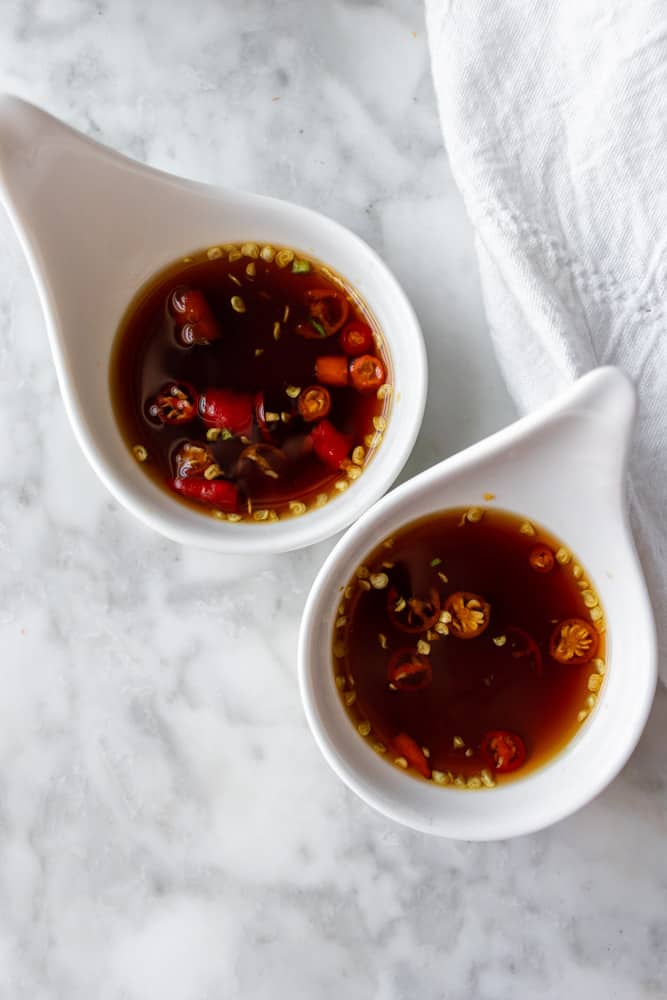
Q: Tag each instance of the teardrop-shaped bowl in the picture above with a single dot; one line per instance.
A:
(563, 467)
(96, 226)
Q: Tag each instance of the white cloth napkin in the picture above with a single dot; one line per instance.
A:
(554, 114)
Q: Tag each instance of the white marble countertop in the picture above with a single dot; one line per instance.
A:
(167, 827)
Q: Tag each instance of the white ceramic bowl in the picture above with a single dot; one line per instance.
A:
(96, 226)
(564, 468)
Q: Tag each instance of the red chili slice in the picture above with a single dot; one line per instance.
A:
(504, 750)
(405, 746)
(314, 403)
(219, 493)
(329, 444)
(356, 338)
(541, 559)
(521, 643)
(174, 404)
(408, 671)
(193, 313)
(328, 311)
(332, 370)
(573, 641)
(227, 409)
(413, 614)
(192, 459)
(366, 373)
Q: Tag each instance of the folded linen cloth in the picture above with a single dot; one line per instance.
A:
(554, 115)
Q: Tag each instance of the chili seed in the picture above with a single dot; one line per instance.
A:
(441, 628)
(364, 585)
(445, 616)
(474, 514)
(140, 453)
(563, 556)
(213, 433)
(599, 666)
(460, 781)
(212, 472)
(339, 649)
(349, 590)
(358, 455)
(499, 640)
(583, 584)
(285, 416)
(594, 682)
(489, 496)
(321, 499)
(596, 614)
(297, 507)
(458, 742)
(220, 515)
(350, 698)
(364, 728)
(271, 474)
(267, 253)
(487, 778)
(382, 639)
(401, 761)
(599, 624)
(214, 253)
(469, 752)
(285, 314)
(258, 351)
(238, 305)
(276, 330)
(341, 621)
(340, 682)
(527, 528)
(439, 777)
(384, 391)
(426, 752)
(380, 747)
(423, 647)
(583, 714)
(234, 254)
(379, 423)
(589, 599)
(284, 257)
(234, 517)
(591, 700)
(250, 269)
(474, 782)
(250, 250)
(293, 391)
(261, 515)
(341, 485)
(443, 576)
(362, 572)
(400, 604)
(353, 472)
(379, 581)
(577, 572)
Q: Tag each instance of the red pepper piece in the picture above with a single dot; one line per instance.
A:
(314, 403)
(219, 493)
(522, 644)
(328, 311)
(504, 750)
(356, 338)
(194, 315)
(541, 559)
(332, 370)
(225, 408)
(330, 446)
(405, 746)
(407, 670)
(367, 373)
(174, 404)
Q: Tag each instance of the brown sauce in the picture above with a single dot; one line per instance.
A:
(262, 459)
(502, 632)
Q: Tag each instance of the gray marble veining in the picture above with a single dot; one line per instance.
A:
(167, 827)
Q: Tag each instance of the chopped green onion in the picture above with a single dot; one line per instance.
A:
(318, 326)
(226, 435)
(300, 267)
(436, 561)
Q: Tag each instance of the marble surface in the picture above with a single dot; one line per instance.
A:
(167, 827)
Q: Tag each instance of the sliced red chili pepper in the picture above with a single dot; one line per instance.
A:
(504, 750)
(470, 614)
(328, 311)
(407, 670)
(227, 409)
(541, 559)
(366, 373)
(329, 444)
(265, 426)
(521, 643)
(192, 459)
(405, 746)
(413, 614)
(219, 493)
(175, 404)
(332, 370)
(193, 313)
(356, 338)
(573, 641)
(262, 460)
(314, 403)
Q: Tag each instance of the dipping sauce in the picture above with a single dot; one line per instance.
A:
(251, 381)
(469, 647)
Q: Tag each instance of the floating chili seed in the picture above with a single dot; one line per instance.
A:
(140, 453)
